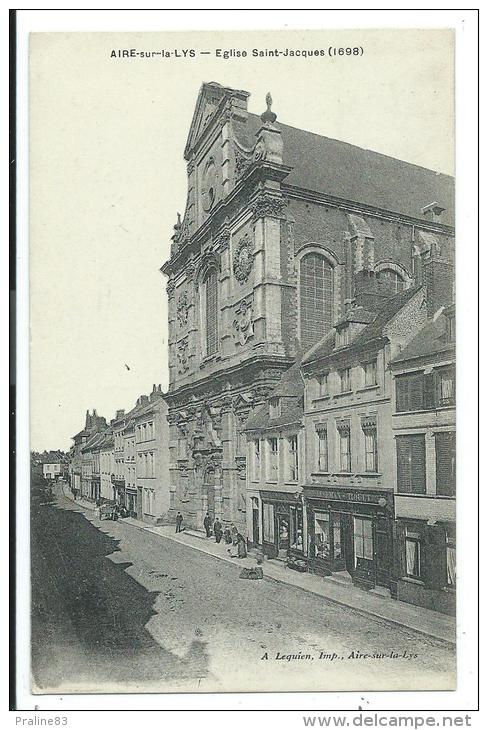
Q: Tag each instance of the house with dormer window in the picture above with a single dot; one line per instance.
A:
(349, 475)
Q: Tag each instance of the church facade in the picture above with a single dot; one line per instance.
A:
(278, 226)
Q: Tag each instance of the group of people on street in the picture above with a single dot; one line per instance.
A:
(231, 536)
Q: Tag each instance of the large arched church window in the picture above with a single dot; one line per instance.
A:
(316, 298)
(211, 312)
(391, 281)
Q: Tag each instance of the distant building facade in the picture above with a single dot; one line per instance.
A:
(127, 462)
(151, 430)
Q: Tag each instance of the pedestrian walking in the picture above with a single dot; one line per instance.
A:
(207, 523)
(217, 528)
(234, 548)
(179, 522)
(241, 546)
(227, 536)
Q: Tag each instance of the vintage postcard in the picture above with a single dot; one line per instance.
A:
(243, 357)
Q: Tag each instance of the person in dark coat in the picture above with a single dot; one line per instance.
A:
(241, 546)
(207, 523)
(179, 522)
(217, 530)
(227, 536)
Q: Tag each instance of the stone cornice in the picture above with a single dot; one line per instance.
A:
(256, 360)
(353, 207)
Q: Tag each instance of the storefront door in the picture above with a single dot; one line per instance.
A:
(338, 539)
(255, 521)
(348, 542)
(383, 553)
(283, 535)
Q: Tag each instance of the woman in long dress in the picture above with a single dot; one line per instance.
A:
(234, 550)
(241, 546)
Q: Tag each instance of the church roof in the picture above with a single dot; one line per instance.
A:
(325, 348)
(345, 171)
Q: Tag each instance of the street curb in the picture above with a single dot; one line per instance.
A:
(335, 601)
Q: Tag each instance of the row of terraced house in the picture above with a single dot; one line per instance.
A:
(125, 461)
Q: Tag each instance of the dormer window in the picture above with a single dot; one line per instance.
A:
(343, 337)
(274, 407)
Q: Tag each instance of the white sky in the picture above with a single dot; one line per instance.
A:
(108, 176)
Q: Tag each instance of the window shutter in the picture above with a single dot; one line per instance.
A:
(416, 392)
(417, 446)
(401, 394)
(403, 465)
(429, 390)
(411, 464)
(445, 463)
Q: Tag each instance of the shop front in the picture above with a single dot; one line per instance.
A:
(95, 488)
(282, 525)
(351, 530)
(131, 500)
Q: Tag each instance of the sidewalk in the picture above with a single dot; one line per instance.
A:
(421, 620)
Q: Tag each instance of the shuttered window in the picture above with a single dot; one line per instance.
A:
(316, 298)
(211, 312)
(410, 392)
(445, 463)
(411, 464)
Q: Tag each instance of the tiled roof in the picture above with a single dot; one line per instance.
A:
(373, 331)
(93, 442)
(80, 433)
(431, 340)
(290, 384)
(359, 315)
(291, 412)
(290, 391)
(346, 171)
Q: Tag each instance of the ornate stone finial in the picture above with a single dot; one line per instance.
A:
(178, 222)
(268, 117)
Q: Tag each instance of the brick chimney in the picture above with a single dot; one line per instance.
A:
(433, 212)
(438, 277)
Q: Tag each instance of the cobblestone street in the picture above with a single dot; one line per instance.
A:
(114, 606)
